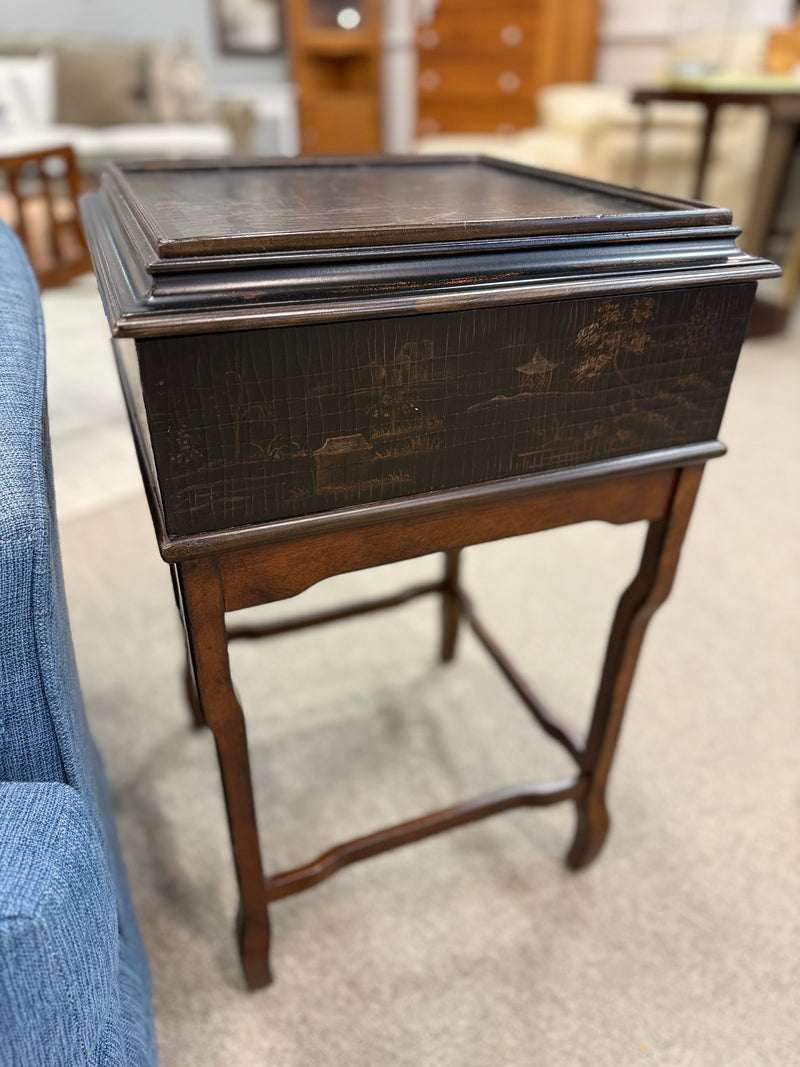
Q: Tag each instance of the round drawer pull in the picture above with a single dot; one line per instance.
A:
(429, 39)
(430, 80)
(512, 35)
(509, 81)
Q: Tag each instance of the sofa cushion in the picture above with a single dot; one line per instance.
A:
(65, 978)
(100, 84)
(174, 140)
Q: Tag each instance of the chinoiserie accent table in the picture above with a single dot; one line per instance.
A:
(484, 351)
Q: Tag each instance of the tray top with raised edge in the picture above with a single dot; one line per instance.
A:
(201, 246)
(251, 208)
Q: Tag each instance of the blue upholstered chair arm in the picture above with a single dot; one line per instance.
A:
(74, 980)
(58, 931)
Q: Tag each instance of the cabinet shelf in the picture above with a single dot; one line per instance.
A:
(337, 42)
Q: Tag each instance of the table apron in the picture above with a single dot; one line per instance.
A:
(267, 572)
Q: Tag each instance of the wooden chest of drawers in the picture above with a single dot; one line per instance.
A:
(481, 64)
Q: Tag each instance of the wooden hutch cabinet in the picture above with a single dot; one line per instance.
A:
(334, 47)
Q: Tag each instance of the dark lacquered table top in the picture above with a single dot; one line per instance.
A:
(240, 207)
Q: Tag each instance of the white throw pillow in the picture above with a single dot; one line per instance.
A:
(27, 91)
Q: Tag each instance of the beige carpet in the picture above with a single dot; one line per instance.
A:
(680, 947)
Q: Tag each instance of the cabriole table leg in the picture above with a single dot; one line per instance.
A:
(189, 686)
(648, 590)
(204, 616)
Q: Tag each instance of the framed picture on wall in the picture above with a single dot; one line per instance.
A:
(248, 27)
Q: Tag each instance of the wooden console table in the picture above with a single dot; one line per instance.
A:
(782, 105)
(783, 108)
(335, 364)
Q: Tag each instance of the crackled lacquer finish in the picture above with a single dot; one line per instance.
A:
(253, 426)
(240, 208)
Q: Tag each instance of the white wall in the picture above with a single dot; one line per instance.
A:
(142, 20)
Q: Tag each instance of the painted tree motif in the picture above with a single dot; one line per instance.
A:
(618, 331)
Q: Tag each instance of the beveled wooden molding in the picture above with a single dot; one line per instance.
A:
(431, 505)
(130, 322)
(470, 246)
(157, 286)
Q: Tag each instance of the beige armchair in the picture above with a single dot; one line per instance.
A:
(596, 131)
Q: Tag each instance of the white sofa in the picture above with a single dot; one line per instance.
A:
(109, 100)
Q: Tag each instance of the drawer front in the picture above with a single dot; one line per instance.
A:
(451, 115)
(484, 32)
(473, 8)
(254, 426)
(501, 79)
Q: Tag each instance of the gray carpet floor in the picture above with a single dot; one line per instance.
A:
(679, 947)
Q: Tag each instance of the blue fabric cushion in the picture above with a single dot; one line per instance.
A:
(28, 744)
(47, 751)
(58, 930)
